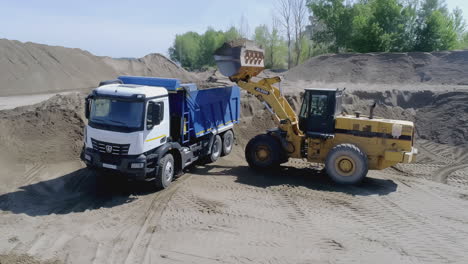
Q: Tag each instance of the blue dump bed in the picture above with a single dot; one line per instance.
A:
(194, 112)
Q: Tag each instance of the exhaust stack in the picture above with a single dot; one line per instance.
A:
(371, 114)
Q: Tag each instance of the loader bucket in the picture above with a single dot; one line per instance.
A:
(240, 59)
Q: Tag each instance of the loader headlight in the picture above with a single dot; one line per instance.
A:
(137, 165)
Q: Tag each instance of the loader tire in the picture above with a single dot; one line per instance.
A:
(263, 152)
(228, 142)
(346, 164)
(165, 172)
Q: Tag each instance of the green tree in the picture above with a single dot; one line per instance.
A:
(334, 23)
(232, 34)
(275, 47)
(437, 28)
(386, 25)
(210, 41)
(436, 33)
(379, 25)
(186, 50)
(194, 51)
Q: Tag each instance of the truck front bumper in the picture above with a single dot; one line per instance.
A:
(119, 164)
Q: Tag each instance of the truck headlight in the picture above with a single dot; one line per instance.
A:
(137, 165)
(87, 157)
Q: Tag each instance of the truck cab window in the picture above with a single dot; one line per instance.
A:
(102, 107)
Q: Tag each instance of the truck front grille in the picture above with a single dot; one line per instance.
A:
(110, 148)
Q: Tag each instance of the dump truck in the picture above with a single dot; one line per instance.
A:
(152, 128)
(348, 145)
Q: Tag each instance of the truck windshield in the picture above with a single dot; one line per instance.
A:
(114, 113)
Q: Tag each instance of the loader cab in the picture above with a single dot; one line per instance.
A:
(318, 112)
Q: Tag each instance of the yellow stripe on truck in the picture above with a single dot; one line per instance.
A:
(222, 125)
(151, 139)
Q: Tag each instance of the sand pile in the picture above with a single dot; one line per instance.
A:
(34, 68)
(51, 131)
(151, 65)
(449, 67)
(27, 68)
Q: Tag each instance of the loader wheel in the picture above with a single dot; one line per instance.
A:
(216, 149)
(346, 164)
(228, 142)
(263, 152)
(165, 172)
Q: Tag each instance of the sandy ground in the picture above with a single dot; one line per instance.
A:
(52, 209)
(225, 213)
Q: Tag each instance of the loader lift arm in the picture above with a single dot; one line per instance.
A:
(241, 60)
(266, 92)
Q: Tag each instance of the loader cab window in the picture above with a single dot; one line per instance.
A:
(317, 113)
(314, 104)
(319, 105)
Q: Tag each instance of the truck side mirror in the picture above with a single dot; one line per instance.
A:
(87, 106)
(155, 114)
(158, 113)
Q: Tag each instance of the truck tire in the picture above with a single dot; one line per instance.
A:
(346, 164)
(228, 142)
(216, 149)
(263, 152)
(165, 172)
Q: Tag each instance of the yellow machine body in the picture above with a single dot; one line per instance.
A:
(385, 142)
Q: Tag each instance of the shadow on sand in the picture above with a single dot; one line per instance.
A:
(308, 177)
(83, 190)
(78, 191)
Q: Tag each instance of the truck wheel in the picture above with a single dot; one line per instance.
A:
(263, 152)
(165, 172)
(228, 142)
(346, 164)
(216, 149)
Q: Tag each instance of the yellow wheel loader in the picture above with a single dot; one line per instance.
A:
(348, 145)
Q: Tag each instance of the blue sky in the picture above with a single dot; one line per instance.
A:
(123, 28)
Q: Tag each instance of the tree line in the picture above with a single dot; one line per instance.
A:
(300, 29)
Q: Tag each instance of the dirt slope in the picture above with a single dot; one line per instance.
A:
(27, 68)
(385, 68)
(151, 65)
(47, 132)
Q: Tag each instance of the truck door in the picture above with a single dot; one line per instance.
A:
(157, 123)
